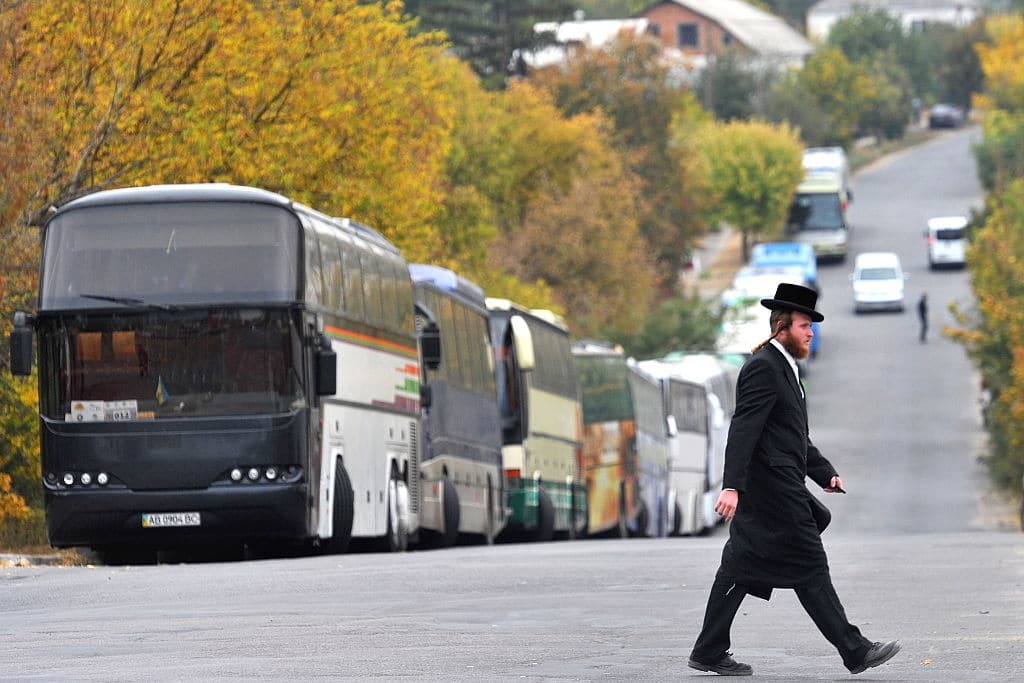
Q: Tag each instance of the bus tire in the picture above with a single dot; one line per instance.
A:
(397, 538)
(545, 530)
(642, 520)
(489, 532)
(677, 520)
(344, 505)
(622, 529)
(451, 515)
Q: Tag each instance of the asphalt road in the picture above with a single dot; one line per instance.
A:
(916, 553)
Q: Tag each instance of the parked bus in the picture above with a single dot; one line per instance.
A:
(699, 396)
(608, 460)
(655, 430)
(538, 396)
(221, 363)
(463, 480)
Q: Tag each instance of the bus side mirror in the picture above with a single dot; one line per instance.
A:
(326, 368)
(21, 345)
(523, 341)
(430, 345)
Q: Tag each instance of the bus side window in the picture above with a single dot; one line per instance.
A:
(314, 281)
(353, 281)
(371, 287)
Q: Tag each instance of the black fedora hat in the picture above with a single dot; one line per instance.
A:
(790, 297)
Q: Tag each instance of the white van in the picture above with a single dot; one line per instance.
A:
(878, 282)
(947, 244)
(817, 216)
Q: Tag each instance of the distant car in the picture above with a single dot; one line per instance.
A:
(945, 116)
(745, 323)
(755, 282)
(878, 282)
(947, 241)
(787, 254)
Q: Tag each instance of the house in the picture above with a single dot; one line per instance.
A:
(913, 13)
(561, 38)
(701, 29)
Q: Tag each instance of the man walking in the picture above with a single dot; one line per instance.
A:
(775, 536)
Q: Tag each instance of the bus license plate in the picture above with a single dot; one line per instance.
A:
(162, 519)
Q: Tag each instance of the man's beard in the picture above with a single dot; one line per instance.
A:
(794, 347)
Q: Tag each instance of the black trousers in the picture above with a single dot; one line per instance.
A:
(818, 598)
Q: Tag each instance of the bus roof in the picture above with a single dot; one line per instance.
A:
(215, 192)
(596, 347)
(446, 280)
(540, 314)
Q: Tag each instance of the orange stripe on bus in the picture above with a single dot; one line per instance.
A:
(373, 340)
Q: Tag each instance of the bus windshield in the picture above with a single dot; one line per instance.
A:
(816, 211)
(155, 365)
(170, 253)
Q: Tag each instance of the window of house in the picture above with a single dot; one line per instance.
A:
(687, 35)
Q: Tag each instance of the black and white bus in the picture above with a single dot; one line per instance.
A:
(221, 363)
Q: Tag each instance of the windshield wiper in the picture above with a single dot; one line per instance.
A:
(127, 301)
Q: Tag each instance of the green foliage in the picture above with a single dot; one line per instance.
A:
(1000, 153)
(754, 168)
(728, 85)
(485, 33)
(684, 323)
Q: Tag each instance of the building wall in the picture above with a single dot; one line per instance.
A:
(667, 16)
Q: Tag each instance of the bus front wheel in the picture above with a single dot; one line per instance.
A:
(545, 530)
(344, 505)
(398, 514)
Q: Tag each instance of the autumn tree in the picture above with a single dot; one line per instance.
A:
(840, 88)
(631, 85)
(754, 168)
(993, 333)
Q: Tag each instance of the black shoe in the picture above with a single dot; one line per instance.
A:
(878, 654)
(726, 666)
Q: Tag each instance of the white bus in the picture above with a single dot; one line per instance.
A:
(700, 396)
(655, 430)
(542, 428)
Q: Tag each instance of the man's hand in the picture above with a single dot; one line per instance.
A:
(727, 502)
(835, 485)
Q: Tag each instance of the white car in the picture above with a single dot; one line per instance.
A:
(947, 245)
(753, 283)
(878, 282)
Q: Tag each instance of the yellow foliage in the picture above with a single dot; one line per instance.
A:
(1002, 60)
(12, 506)
(753, 169)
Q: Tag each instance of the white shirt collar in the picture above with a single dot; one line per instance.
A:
(789, 359)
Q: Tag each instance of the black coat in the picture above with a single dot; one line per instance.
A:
(773, 539)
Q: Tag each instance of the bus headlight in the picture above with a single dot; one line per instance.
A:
(236, 474)
(271, 473)
(86, 479)
(102, 478)
(68, 479)
(254, 474)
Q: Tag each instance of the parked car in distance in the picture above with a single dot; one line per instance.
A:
(878, 282)
(787, 254)
(944, 115)
(947, 241)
